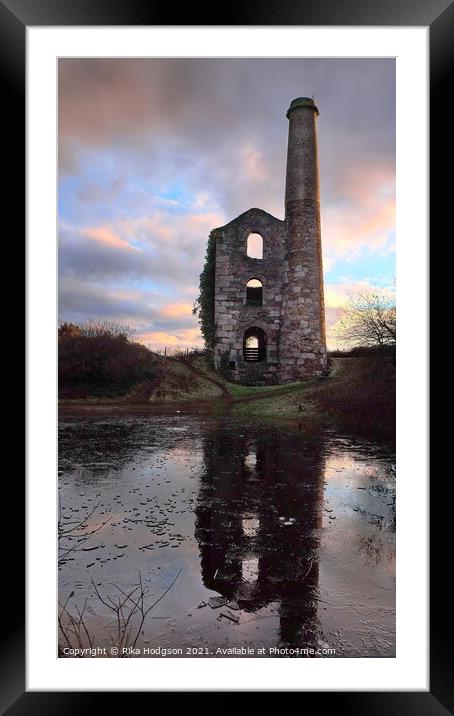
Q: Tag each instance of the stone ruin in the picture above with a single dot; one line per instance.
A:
(269, 309)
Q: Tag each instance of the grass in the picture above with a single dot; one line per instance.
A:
(240, 391)
(357, 397)
(281, 401)
(178, 383)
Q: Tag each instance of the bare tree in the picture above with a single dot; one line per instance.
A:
(369, 319)
(114, 329)
(72, 539)
(96, 328)
(130, 612)
(129, 607)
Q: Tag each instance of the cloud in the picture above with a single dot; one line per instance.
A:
(144, 310)
(363, 217)
(252, 164)
(176, 310)
(154, 153)
(81, 299)
(186, 337)
(104, 236)
(168, 249)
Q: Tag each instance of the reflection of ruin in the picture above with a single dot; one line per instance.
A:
(248, 554)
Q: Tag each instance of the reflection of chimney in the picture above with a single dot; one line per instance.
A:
(298, 610)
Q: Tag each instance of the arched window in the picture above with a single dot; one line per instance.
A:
(254, 345)
(254, 246)
(254, 292)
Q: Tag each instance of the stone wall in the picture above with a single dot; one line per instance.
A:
(234, 268)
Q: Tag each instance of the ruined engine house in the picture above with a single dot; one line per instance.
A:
(268, 309)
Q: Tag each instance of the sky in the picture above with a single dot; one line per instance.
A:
(154, 153)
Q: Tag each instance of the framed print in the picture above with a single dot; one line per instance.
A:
(225, 225)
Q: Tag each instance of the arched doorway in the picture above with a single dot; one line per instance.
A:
(254, 345)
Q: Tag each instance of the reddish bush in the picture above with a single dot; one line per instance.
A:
(361, 397)
(100, 363)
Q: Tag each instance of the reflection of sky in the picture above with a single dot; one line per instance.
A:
(250, 569)
(250, 461)
(155, 153)
(250, 526)
(171, 471)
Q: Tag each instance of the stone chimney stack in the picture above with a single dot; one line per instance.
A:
(302, 351)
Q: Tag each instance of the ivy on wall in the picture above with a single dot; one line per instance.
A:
(204, 305)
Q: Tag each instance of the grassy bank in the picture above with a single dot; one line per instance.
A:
(358, 395)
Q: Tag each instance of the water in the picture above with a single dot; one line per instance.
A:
(295, 531)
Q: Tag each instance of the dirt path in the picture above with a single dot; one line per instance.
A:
(138, 404)
(188, 364)
(140, 394)
(283, 390)
(272, 394)
(138, 401)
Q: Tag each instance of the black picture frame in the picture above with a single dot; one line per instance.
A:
(15, 17)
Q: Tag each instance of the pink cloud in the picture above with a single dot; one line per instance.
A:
(167, 227)
(253, 166)
(98, 99)
(183, 338)
(171, 148)
(107, 237)
(364, 220)
(176, 310)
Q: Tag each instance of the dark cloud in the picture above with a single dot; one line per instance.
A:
(173, 260)
(156, 152)
(83, 300)
(179, 116)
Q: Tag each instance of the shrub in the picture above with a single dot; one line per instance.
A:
(204, 305)
(363, 351)
(361, 398)
(100, 360)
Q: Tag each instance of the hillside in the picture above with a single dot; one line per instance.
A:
(357, 396)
